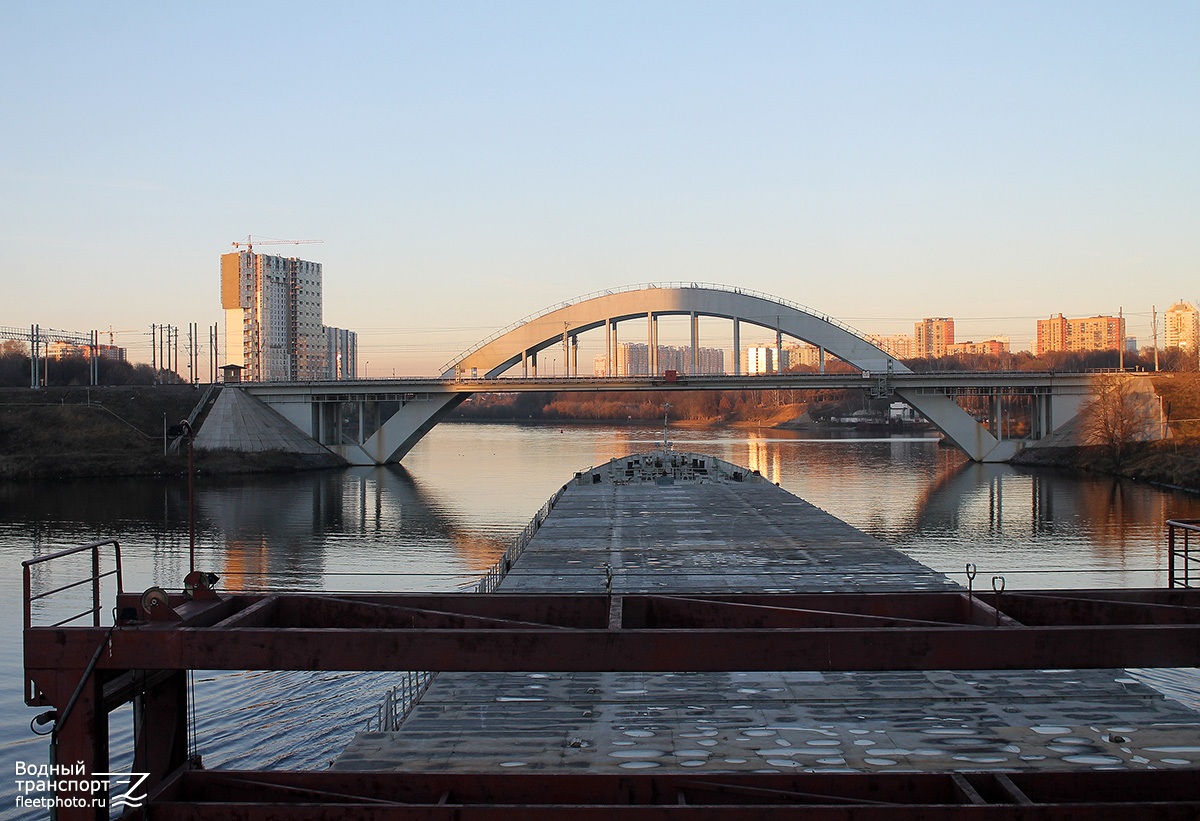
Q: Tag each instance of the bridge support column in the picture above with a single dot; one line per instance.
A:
(401, 431)
(612, 360)
(695, 364)
(652, 344)
(821, 355)
(1041, 424)
(737, 347)
(575, 355)
(957, 425)
(608, 354)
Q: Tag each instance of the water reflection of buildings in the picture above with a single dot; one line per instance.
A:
(246, 566)
(1108, 514)
(269, 528)
(624, 442)
(764, 456)
(299, 530)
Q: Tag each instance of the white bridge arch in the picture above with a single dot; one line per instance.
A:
(561, 324)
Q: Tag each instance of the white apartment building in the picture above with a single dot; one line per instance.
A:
(758, 359)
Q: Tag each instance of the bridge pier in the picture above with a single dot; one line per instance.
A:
(387, 430)
(652, 343)
(778, 347)
(608, 358)
(737, 347)
(695, 357)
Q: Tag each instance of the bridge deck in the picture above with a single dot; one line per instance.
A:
(751, 536)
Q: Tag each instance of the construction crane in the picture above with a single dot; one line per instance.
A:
(112, 335)
(251, 242)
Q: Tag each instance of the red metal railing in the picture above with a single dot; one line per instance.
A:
(95, 579)
(1181, 557)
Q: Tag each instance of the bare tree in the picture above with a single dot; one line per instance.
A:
(1120, 413)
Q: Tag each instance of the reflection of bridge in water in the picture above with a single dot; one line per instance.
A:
(378, 421)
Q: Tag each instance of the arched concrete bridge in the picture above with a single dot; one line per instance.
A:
(396, 418)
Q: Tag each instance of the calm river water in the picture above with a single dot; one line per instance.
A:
(438, 523)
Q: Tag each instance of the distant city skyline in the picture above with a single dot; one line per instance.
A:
(468, 165)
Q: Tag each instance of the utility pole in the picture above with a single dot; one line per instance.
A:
(153, 346)
(1121, 341)
(1154, 333)
(33, 356)
(212, 354)
(94, 357)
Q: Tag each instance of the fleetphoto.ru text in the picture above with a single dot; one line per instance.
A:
(59, 786)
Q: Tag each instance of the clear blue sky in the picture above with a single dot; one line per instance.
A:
(469, 163)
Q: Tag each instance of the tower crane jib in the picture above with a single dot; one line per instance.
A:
(250, 242)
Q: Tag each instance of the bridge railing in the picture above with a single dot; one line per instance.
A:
(708, 286)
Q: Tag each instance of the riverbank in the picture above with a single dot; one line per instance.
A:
(58, 433)
(1169, 463)
(1173, 462)
(794, 416)
(118, 431)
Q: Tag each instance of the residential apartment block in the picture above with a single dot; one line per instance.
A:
(633, 359)
(988, 347)
(758, 359)
(933, 336)
(1096, 333)
(901, 346)
(273, 322)
(1181, 327)
(66, 350)
(341, 354)
(802, 353)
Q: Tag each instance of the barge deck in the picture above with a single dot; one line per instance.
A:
(686, 525)
(829, 674)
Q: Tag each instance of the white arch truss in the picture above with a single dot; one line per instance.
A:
(562, 323)
(396, 429)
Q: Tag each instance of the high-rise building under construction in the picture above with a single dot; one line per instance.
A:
(273, 326)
